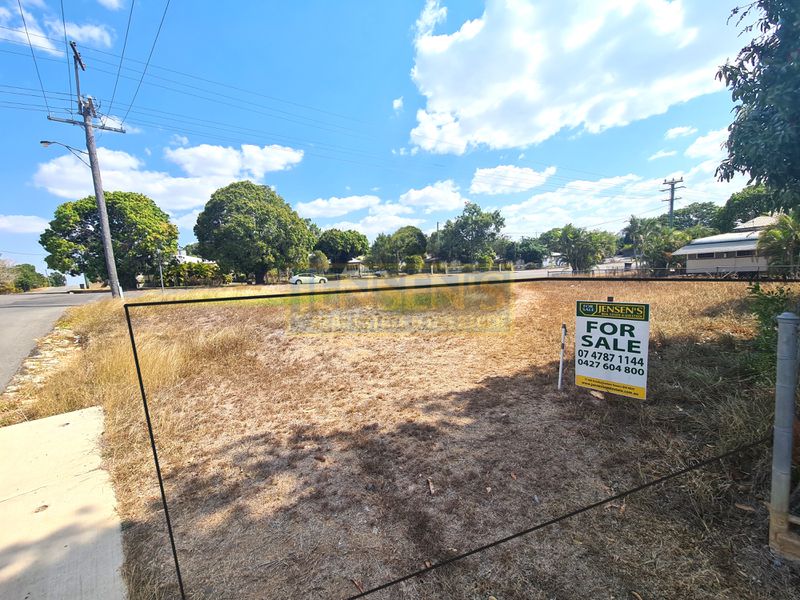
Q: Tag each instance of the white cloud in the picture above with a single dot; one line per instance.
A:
(397, 104)
(252, 161)
(97, 35)
(116, 122)
(335, 207)
(441, 196)
(372, 225)
(208, 168)
(178, 140)
(16, 32)
(432, 14)
(522, 72)
(186, 221)
(508, 179)
(111, 4)
(22, 224)
(663, 154)
(708, 146)
(677, 132)
(607, 203)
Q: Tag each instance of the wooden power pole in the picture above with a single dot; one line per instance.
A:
(671, 189)
(88, 111)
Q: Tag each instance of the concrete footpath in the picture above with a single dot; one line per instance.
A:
(60, 535)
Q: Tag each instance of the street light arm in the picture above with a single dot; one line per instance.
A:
(74, 151)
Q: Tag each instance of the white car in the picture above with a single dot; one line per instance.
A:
(307, 278)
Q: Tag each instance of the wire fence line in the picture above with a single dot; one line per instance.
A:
(563, 517)
(692, 466)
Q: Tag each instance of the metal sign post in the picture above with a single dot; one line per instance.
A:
(611, 346)
(561, 359)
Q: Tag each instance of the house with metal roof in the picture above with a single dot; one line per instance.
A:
(734, 252)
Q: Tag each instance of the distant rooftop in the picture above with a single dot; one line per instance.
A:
(743, 237)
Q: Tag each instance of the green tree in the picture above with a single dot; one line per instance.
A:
(57, 279)
(658, 244)
(764, 79)
(319, 262)
(382, 253)
(340, 246)
(192, 249)
(138, 230)
(583, 249)
(414, 264)
(696, 213)
(26, 278)
(409, 240)
(486, 261)
(780, 242)
(248, 228)
(6, 277)
(749, 203)
(529, 250)
(470, 235)
(550, 239)
(313, 228)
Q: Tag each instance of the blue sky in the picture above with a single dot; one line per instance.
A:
(373, 115)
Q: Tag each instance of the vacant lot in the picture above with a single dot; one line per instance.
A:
(315, 447)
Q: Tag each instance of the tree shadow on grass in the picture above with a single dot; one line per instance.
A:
(324, 513)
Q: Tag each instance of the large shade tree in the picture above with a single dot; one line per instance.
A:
(139, 231)
(752, 201)
(764, 79)
(696, 213)
(409, 241)
(341, 246)
(249, 228)
(471, 235)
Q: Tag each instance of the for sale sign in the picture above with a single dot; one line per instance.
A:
(611, 343)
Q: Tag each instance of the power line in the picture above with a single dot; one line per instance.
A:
(563, 517)
(149, 56)
(204, 79)
(33, 54)
(121, 56)
(66, 49)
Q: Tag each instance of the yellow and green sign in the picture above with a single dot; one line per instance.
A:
(611, 346)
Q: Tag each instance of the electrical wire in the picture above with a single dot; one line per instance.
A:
(563, 517)
(66, 50)
(33, 54)
(147, 64)
(121, 57)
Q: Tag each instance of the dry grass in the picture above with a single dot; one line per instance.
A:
(308, 444)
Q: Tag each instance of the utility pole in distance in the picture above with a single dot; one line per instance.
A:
(672, 187)
(87, 110)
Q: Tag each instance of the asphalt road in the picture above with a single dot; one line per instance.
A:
(26, 317)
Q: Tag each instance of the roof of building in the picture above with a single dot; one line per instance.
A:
(757, 223)
(743, 237)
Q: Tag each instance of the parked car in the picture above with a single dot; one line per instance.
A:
(307, 278)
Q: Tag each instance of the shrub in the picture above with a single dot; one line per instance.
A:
(187, 274)
(766, 305)
(414, 264)
(486, 262)
(318, 261)
(26, 278)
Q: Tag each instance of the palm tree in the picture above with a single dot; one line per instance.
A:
(780, 242)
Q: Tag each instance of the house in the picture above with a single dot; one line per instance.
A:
(182, 257)
(734, 252)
